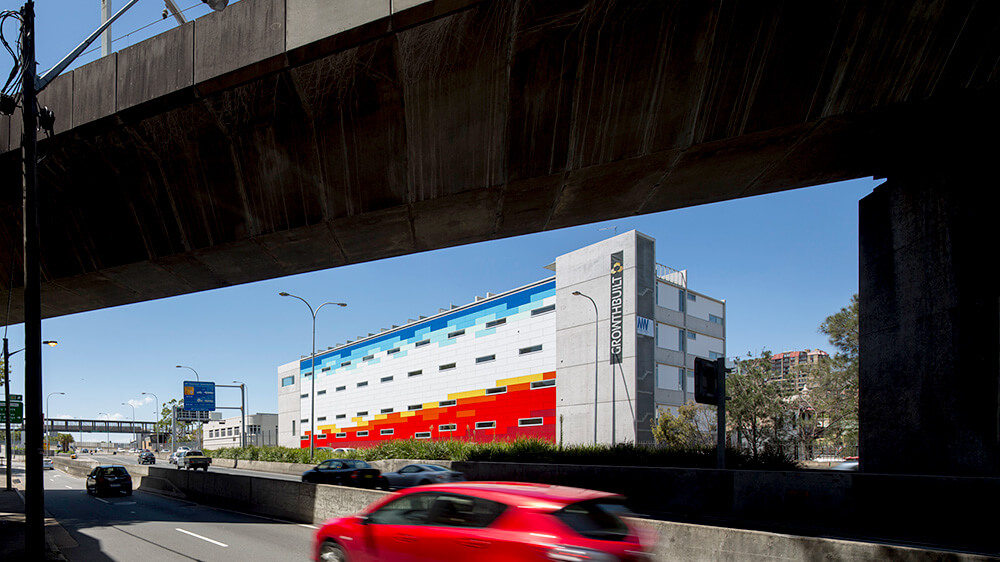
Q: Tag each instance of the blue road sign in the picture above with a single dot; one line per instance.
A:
(199, 396)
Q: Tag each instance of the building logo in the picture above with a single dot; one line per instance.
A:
(644, 326)
(617, 303)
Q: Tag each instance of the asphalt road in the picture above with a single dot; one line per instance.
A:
(146, 526)
(133, 458)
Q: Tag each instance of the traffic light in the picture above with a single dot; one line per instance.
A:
(706, 381)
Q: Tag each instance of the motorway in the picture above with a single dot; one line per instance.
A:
(146, 526)
(132, 458)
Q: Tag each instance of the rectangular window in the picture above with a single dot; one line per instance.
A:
(304, 420)
(341, 435)
(455, 334)
(414, 407)
(714, 319)
(486, 425)
(368, 358)
(341, 416)
(303, 396)
(341, 388)
(486, 358)
(422, 435)
(447, 427)
(497, 390)
(524, 422)
(325, 369)
(363, 433)
(692, 335)
(362, 413)
(532, 349)
(288, 381)
(692, 297)
(293, 427)
(446, 367)
(387, 379)
(415, 373)
(386, 410)
(320, 393)
(387, 431)
(446, 403)
(362, 383)
(543, 310)
(345, 363)
(543, 384)
(497, 322)
(421, 343)
(392, 351)
(320, 436)
(321, 418)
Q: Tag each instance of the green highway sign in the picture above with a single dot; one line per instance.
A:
(16, 412)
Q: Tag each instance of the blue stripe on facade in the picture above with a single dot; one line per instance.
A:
(513, 303)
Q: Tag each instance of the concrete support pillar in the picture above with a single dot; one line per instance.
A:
(930, 314)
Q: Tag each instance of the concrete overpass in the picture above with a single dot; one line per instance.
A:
(284, 136)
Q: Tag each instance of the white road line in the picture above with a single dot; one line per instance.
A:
(308, 526)
(102, 501)
(206, 539)
(70, 487)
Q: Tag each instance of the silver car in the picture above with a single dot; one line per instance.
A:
(47, 463)
(420, 474)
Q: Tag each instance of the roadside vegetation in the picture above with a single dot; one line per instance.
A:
(524, 451)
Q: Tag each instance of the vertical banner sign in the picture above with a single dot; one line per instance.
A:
(617, 303)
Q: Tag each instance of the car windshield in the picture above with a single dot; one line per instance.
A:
(435, 468)
(356, 464)
(194, 454)
(111, 471)
(595, 519)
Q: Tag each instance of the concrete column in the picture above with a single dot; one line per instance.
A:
(930, 316)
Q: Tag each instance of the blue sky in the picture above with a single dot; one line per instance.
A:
(783, 262)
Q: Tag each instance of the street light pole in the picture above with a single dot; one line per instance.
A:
(156, 416)
(107, 427)
(47, 418)
(597, 344)
(312, 371)
(133, 420)
(6, 391)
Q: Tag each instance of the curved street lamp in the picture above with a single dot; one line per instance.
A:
(196, 377)
(312, 370)
(156, 417)
(133, 421)
(597, 344)
(47, 418)
(6, 391)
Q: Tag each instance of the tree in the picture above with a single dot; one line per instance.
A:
(832, 385)
(693, 426)
(64, 439)
(185, 430)
(756, 408)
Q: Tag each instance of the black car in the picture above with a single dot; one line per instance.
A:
(345, 472)
(109, 478)
(146, 457)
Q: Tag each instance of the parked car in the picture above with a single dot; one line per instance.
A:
(47, 463)
(147, 458)
(487, 522)
(109, 478)
(420, 474)
(345, 472)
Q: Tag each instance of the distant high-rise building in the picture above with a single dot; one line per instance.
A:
(787, 366)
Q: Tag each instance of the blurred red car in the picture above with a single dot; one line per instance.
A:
(486, 522)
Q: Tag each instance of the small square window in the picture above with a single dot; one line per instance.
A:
(446, 403)
(368, 358)
(320, 393)
(486, 425)
(415, 373)
(543, 384)
(422, 343)
(531, 349)
(362, 383)
(422, 435)
(447, 427)
(392, 351)
(321, 418)
(387, 431)
(362, 414)
(345, 363)
(543, 310)
(341, 435)
(288, 381)
(304, 396)
(363, 434)
(497, 390)
(386, 410)
(486, 358)
(524, 422)
(446, 367)
(341, 416)
(414, 407)
(497, 322)
(341, 388)
(387, 379)
(456, 333)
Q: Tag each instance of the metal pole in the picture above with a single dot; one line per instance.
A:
(34, 498)
(720, 370)
(597, 343)
(6, 398)
(106, 36)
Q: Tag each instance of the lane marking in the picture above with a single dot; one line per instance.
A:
(308, 526)
(206, 539)
(100, 500)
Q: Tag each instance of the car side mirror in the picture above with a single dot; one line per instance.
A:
(364, 519)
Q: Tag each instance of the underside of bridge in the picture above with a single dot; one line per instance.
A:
(285, 136)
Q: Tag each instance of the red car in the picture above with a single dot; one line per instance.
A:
(486, 522)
